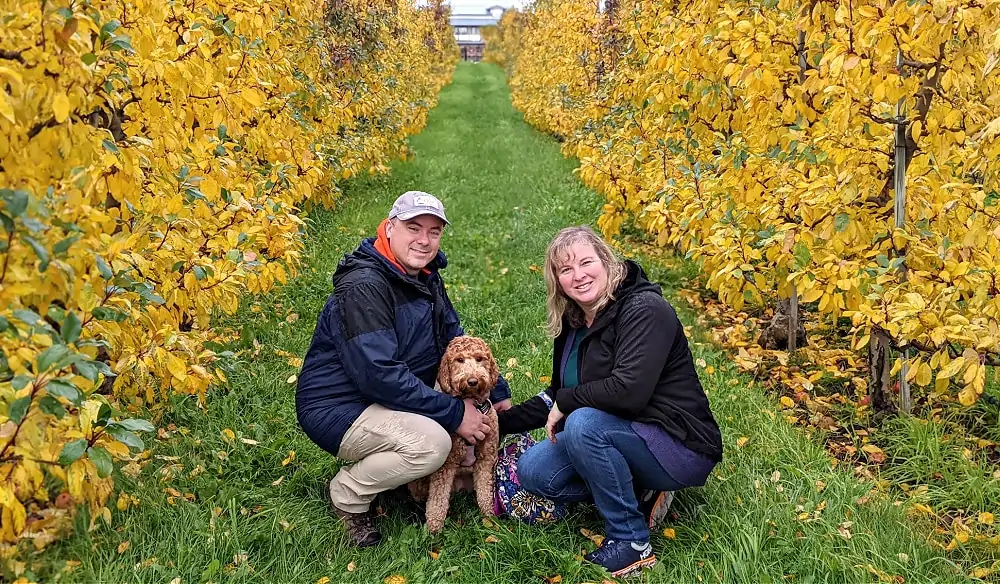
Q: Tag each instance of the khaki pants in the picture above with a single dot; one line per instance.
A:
(392, 448)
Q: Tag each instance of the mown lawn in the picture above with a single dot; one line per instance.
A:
(774, 511)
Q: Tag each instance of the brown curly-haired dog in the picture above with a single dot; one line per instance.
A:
(468, 371)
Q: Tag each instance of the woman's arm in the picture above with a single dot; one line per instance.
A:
(527, 415)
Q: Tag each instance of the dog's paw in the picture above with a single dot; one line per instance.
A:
(435, 525)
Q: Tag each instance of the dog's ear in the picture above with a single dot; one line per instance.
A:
(444, 373)
(493, 368)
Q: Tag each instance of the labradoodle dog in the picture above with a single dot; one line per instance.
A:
(468, 371)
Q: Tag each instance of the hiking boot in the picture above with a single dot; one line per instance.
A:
(622, 558)
(400, 501)
(654, 506)
(360, 526)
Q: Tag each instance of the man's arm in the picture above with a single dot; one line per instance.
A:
(367, 349)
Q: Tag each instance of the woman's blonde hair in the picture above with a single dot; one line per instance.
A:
(558, 303)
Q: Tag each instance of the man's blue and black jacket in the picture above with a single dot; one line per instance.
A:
(379, 339)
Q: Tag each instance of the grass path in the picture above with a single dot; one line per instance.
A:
(774, 511)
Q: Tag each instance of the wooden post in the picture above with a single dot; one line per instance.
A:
(899, 203)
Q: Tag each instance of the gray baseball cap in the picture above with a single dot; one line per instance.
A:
(414, 203)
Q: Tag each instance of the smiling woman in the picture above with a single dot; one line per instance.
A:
(625, 406)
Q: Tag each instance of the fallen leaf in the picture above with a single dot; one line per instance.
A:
(554, 579)
(289, 458)
(787, 401)
(292, 379)
(124, 546)
(534, 268)
(511, 363)
(277, 482)
(701, 363)
(741, 441)
(323, 580)
(710, 370)
(239, 559)
(434, 555)
(597, 538)
(286, 526)
(176, 581)
(395, 579)
(249, 441)
(492, 539)
(351, 566)
(986, 518)
(669, 533)
(228, 434)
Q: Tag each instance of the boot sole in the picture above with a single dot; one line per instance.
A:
(636, 567)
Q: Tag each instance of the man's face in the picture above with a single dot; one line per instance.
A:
(415, 242)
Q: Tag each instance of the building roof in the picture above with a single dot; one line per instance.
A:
(472, 20)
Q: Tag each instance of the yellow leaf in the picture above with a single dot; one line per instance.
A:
(351, 566)
(434, 555)
(787, 401)
(60, 106)
(124, 546)
(228, 435)
(986, 518)
(289, 458)
(292, 379)
(395, 579)
(669, 533)
(323, 580)
(741, 441)
(492, 539)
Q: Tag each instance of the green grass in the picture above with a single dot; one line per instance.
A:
(508, 190)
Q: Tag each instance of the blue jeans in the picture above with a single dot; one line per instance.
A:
(599, 456)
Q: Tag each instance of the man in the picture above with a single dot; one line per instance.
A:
(366, 389)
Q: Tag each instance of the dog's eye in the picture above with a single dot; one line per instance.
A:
(460, 360)
(479, 359)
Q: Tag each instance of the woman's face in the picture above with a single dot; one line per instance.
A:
(582, 276)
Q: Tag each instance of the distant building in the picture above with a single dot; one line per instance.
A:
(467, 31)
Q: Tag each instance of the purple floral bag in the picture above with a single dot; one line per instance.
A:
(510, 499)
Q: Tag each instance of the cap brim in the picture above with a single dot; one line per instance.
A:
(411, 214)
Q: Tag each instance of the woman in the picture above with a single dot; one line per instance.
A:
(625, 411)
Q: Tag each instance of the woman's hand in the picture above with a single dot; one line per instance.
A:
(550, 425)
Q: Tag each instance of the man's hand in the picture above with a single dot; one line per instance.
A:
(474, 427)
(504, 405)
(550, 425)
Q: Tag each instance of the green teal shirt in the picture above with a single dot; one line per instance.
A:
(571, 373)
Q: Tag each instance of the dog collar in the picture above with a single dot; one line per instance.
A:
(484, 406)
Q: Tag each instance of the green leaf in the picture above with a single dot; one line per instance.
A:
(51, 356)
(40, 251)
(21, 381)
(71, 327)
(103, 414)
(199, 273)
(103, 267)
(135, 425)
(210, 570)
(60, 388)
(802, 255)
(17, 202)
(51, 406)
(26, 316)
(89, 59)
(4, 324)
(72, 452)
(87, 369)
(222, 132)
(125, 437)
(841, 222)
(63, 246)
(110, 146)
(109, 314)
(102, 460)
(19, 409)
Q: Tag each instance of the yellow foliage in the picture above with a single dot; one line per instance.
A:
(759, 139)
(154, 161)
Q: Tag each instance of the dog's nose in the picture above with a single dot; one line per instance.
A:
(473, 382)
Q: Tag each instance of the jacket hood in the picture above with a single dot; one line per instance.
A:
(367, 257)
(635, 281)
